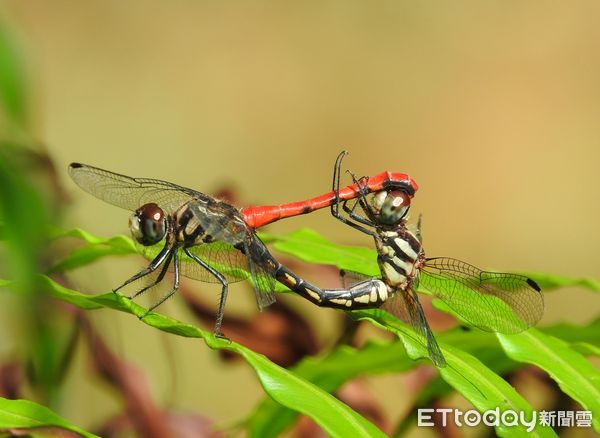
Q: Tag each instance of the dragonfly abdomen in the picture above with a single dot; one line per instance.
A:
(366, 294)
(369, 293)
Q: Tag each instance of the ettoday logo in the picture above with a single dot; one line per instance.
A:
(509, 417)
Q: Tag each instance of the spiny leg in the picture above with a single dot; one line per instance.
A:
(159, 278)
(362, 200)
(175, 283)
(224, 284)
(335, 207)
(418, 234)
(352, 213)
(154, 264)
(354, 225)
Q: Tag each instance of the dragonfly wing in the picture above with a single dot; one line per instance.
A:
(262, 274)
(229, 261)
(350, 278)
(220, 221)
(492, 301)
(232, 263)
(406, 306)
(131, 193)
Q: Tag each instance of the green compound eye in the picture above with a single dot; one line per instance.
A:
(394, 207)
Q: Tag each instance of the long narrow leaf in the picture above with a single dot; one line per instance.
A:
(550, 281)
(283, 386)
(329, 372)
(13, 92)
(25, 414)
(485, 389)
(305, 244)
(311, 247)
(95, 248)
(575, 375)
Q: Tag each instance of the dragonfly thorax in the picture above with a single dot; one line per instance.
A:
(198, 221)
(400, 256)
(148, 224)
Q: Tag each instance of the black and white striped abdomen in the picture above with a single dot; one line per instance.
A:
(399, 256)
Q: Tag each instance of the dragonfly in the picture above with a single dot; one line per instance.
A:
(492, 301)
(195, 235)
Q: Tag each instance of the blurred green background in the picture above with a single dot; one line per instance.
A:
(492, 107)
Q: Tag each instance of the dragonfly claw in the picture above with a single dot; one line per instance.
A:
(221, 336)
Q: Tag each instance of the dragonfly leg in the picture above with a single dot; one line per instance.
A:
(161, 275)
(354, 215)
(335, 207)
(336, 214)
(354, 225)
(418, 234)
(154, 264)
(223, 298)
(175, 283)
(362, 200)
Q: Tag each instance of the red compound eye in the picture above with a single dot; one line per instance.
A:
(148, 224)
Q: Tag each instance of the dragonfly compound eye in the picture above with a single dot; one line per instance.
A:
(148, 224)
(394, 207)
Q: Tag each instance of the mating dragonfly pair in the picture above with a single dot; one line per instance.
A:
(219, 244)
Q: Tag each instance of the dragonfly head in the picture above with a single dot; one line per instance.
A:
(148, 224)
(390, 207)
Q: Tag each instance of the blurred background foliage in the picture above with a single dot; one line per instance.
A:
(492, 107)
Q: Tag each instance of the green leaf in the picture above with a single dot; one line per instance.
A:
(311, 247)
(96, 248)
(485, 389)
(120, 241)
(336, 418)
(575, 375)
(305, 244)
(576, 333)
(550, 281)
(12, 80)
(469, 376)
(289, 390)
(586, 349)
(329, 372)
(25, 414)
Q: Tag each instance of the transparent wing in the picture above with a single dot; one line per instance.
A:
(262, 272)
(229, 261)
(350, 278)
(406, 306)
(492, 301)
(131, 193)
(220, 221)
